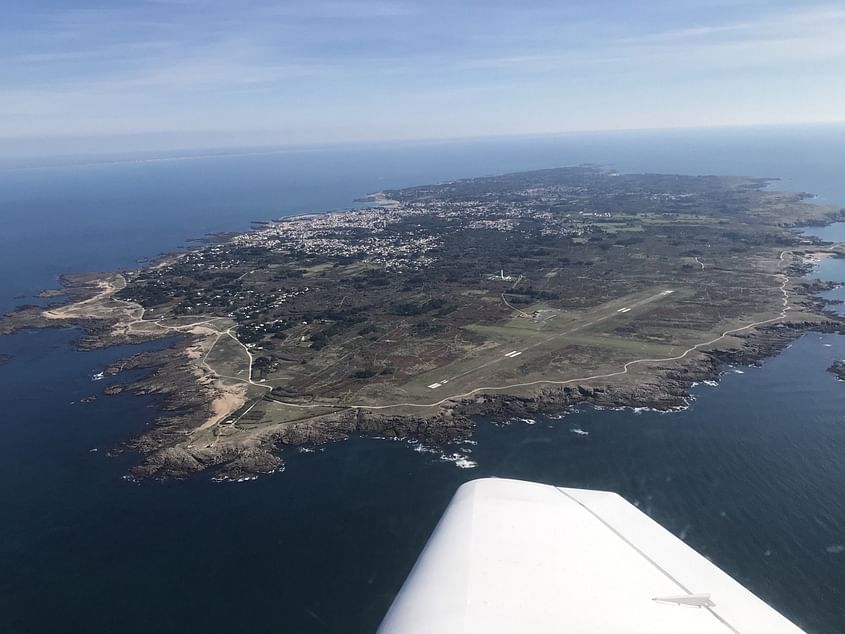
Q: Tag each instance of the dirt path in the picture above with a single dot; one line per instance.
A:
(512, 307)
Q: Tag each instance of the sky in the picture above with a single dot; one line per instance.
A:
(79, 76)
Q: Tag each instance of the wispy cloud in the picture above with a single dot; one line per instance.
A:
(797, 35)
(368, 65)
(794, 37)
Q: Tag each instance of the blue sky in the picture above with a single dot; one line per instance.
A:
(226, 72)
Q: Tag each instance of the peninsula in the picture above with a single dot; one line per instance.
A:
(406, 317)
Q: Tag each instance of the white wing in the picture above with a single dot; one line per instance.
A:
(518, 557)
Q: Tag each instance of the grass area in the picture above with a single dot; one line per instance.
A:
(636, 348)
(619, 227)
(228, 358)
(315, 270)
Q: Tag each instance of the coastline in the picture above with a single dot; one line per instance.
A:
(195, 399)
(187, 402)
(838, 369)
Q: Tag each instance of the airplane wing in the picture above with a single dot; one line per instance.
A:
(525, 558)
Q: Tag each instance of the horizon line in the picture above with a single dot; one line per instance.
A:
(106, 157)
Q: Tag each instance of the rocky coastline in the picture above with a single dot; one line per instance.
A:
(184, 404)
(185, 397)
(838, 368)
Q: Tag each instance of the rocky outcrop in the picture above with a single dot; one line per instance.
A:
(838, 368)
(440, 428)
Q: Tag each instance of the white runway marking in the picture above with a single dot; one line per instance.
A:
(434, 386)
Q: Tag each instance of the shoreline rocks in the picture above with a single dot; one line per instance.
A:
(838, 368)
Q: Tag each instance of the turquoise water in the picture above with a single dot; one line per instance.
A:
(751, 474)
(831, 269)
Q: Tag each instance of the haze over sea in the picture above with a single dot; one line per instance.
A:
(751, 474)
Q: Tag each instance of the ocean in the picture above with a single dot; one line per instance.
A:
(751, 474)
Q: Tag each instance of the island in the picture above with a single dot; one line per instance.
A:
(423, 308)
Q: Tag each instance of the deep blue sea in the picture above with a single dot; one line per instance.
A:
(752, 474)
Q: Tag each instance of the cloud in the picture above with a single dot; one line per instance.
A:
(792, 37)
(801, 34)
(382, 67)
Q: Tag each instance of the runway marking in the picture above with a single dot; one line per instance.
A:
(434, 386)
